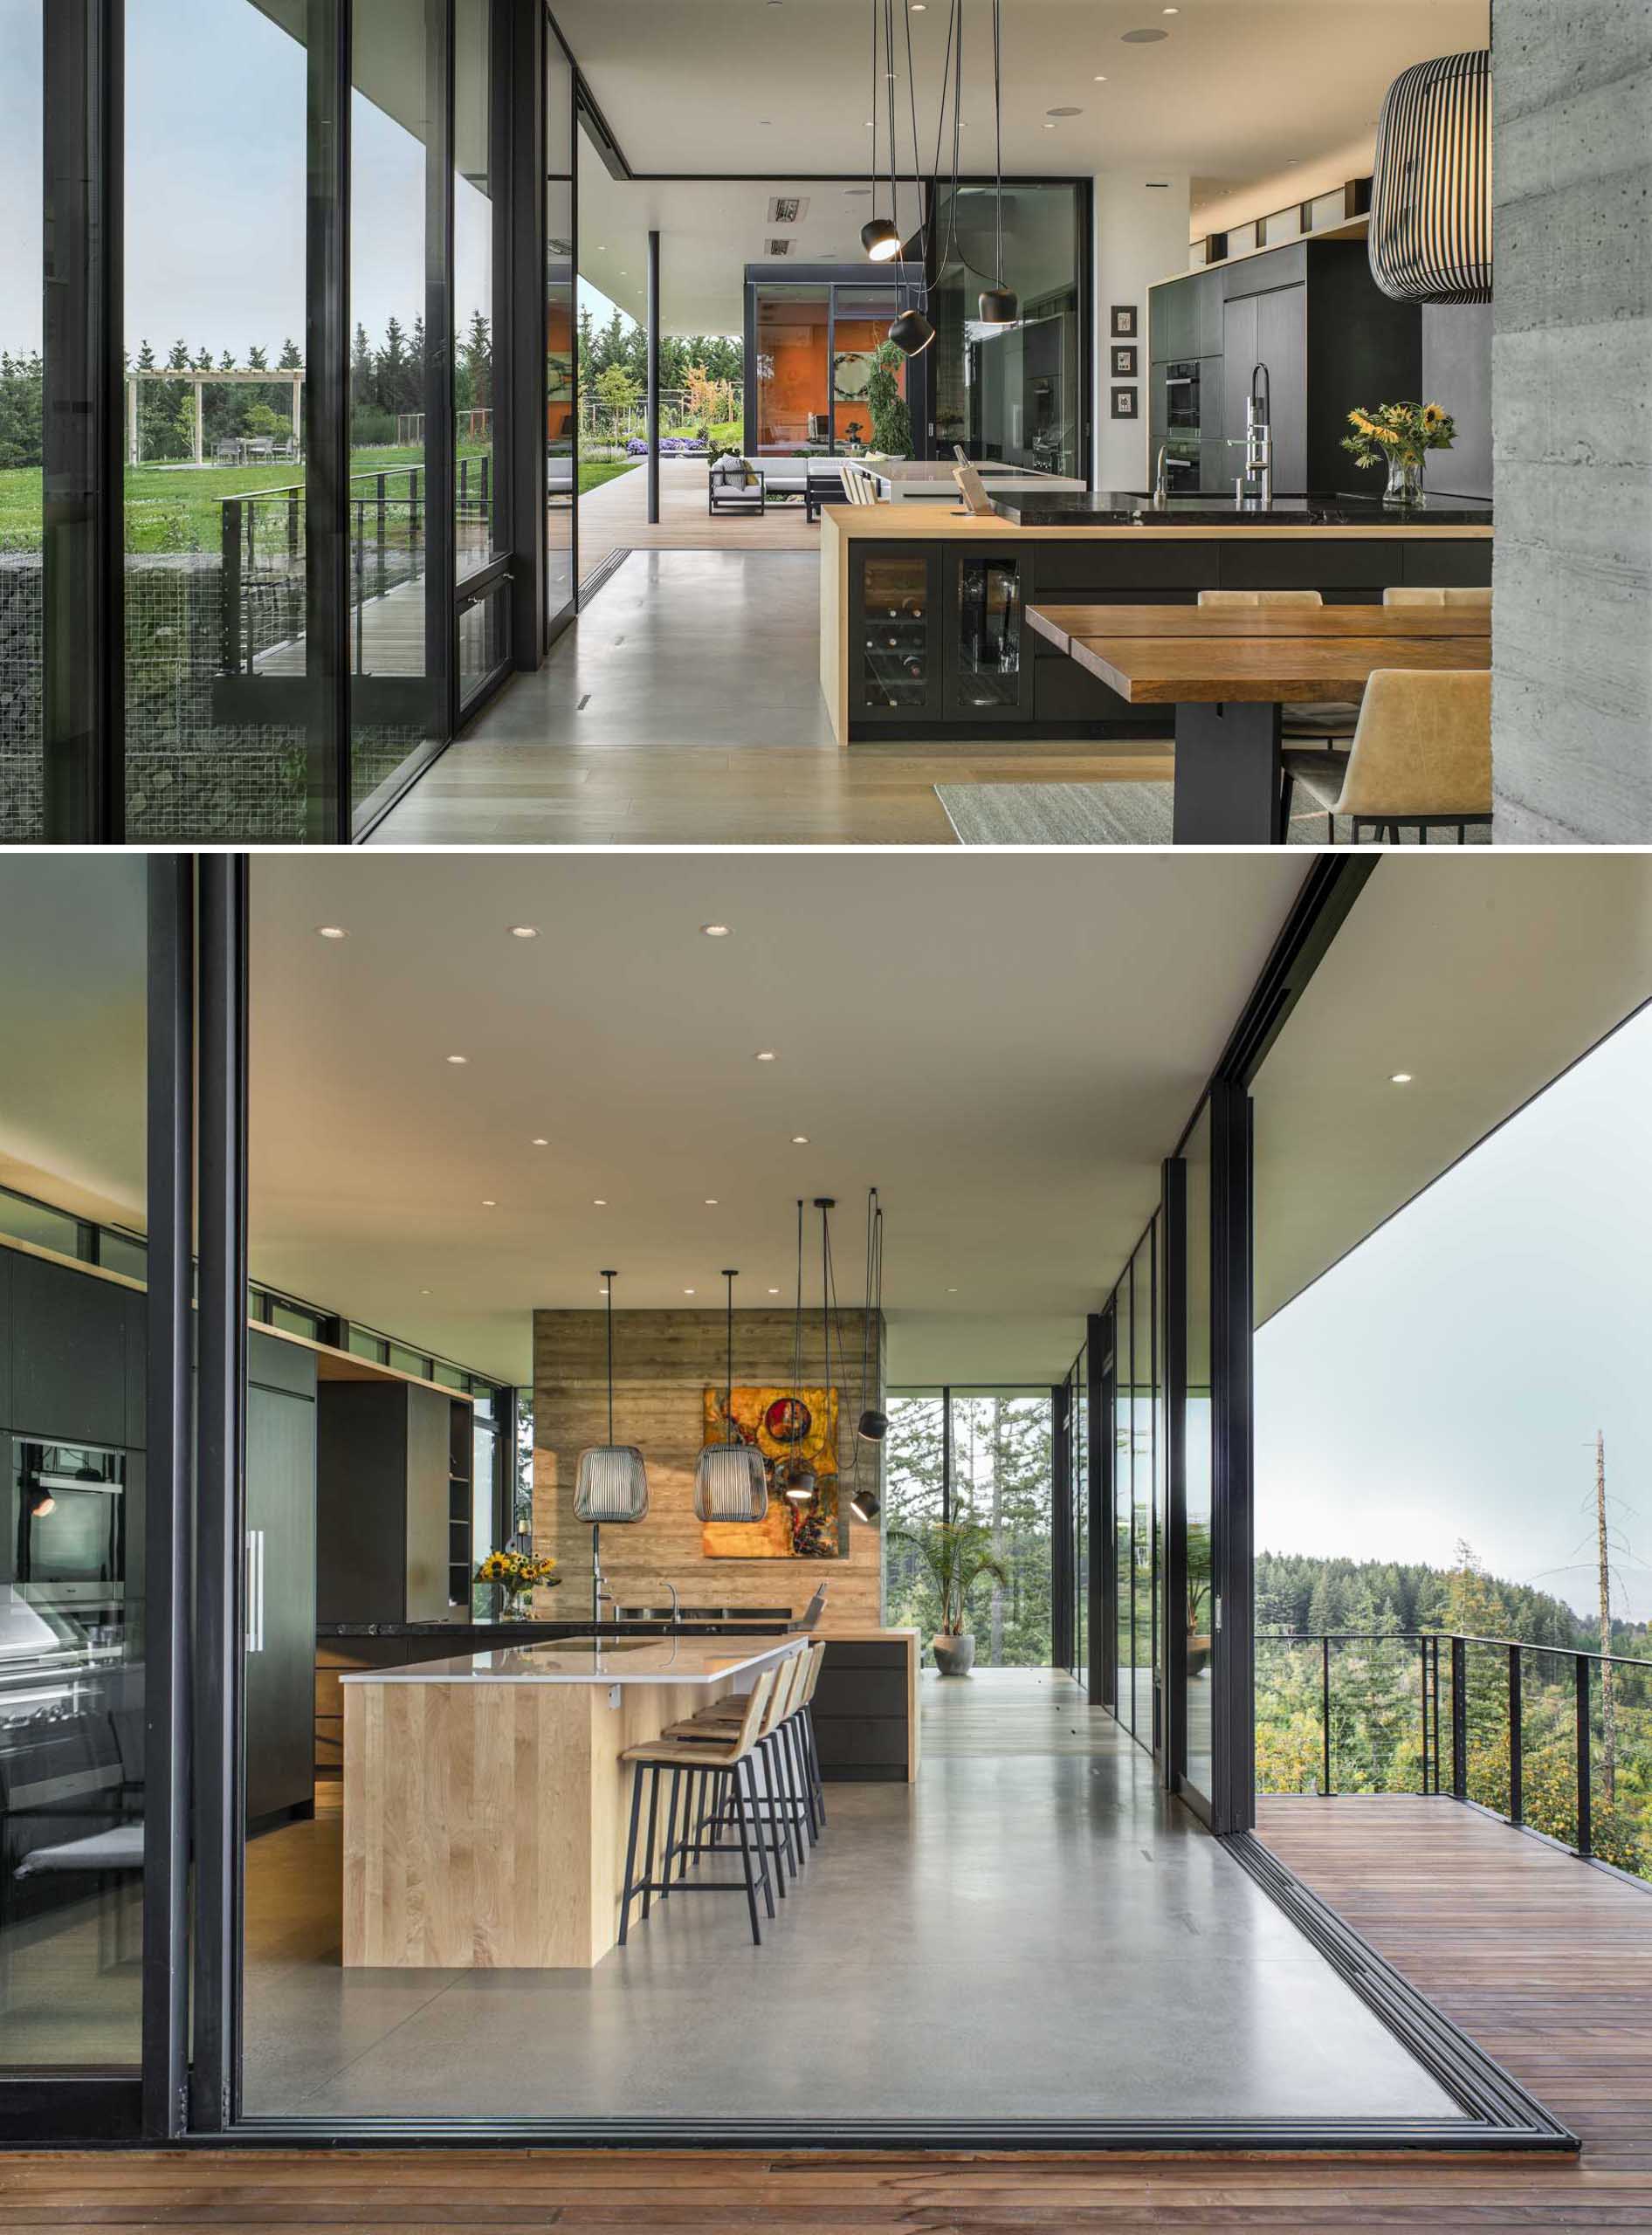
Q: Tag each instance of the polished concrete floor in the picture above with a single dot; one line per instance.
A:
(1031, 1931)
(683, 708)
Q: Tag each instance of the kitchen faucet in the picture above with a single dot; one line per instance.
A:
(1255, 484)
(1160, 484)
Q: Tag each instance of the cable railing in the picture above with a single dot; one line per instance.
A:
(263, 547)
(1554, 1740)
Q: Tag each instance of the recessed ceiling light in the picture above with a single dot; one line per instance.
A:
(711, 1202)
(1144, 37)
(331, 932)
(715, 931)
(525, 931)
(766, 1055)
(952, 1291)
(1049, 124)
(774, 1291)
(488, 1204)
(459, 1059)
(1063, 112)
(799, 1140)
(539, 1141)
(1398, 1078)
(688, 1292)
(599, 1202)
(1170, 11)
(1099, 78)
(427, 1292)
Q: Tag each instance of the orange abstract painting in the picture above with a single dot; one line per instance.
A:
(785, 1426)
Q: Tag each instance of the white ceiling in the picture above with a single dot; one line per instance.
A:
(1485, 976)
(1260, 101)
(1005, 1046)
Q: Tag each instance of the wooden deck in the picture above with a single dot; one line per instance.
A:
(616, 514)
(1546, 1962)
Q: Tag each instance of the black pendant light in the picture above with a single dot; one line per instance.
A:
(997, 303)
(874, 1423)
(911, 332)
(729, 1481)
(880, 237)
(796, 1479)
(1430, 236)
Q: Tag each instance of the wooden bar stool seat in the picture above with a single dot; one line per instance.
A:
(716, 1769)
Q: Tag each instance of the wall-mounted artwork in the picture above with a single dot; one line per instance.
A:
(1124, 322)
(1124, 361)
(782, 1424)
(1123, 403)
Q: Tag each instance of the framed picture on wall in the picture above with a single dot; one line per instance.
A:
(1124, 361)
(1123, 403)
(1124, 322)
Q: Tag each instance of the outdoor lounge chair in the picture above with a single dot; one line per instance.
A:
(736, 485)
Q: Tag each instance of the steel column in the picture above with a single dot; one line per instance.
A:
(1586, 1799)
(653, 379)
(1516, 1759)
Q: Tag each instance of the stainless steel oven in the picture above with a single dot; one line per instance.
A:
(69, 1528)
(1182, 397)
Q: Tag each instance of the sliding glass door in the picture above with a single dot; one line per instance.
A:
(562, 351)
(811, 340)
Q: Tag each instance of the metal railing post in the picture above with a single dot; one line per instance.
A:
(1517, 1758)
(293, 524)
(1422, 1697)
(1324, 1714)
(1459, 1719)
(230, 542)
(412, 506)
(1585, 1797)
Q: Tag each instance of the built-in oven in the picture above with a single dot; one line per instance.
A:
(1181, 396)
(69, 1529)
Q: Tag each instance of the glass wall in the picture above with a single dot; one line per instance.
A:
(561, 354)
(73, 1345)
(217, 713)
(21, 461)
(1201, 1640)
(1082, 1515)
(1139, 1491)
(811, 379)
(1016, 393)
(979, 1458)
(793, 325)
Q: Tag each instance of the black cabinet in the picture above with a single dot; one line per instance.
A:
(280, 1577)
(986, 672)
(894, 640)
(383, 1550)
(1282, 345)
(71, 1335)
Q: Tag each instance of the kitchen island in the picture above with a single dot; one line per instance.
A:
(486, 1794)
(923, 633)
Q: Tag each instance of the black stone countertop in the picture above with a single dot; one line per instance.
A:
(1122, 507)
(558, 1626)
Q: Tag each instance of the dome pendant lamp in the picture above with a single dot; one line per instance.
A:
(729, 1481)
(794, 1476)
(874, 1423)
(612, 1481)
(1430, 238)
(880, 237)
(997, 303)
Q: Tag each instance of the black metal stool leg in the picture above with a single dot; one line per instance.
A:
(745, 1859)
(648, 1852)
(745, 1804)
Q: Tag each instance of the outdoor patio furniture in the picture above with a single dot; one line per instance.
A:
(736, 485)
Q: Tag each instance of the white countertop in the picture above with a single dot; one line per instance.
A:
(583, 1661)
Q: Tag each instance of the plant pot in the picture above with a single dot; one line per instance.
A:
(1405, 482)
(953, 1657)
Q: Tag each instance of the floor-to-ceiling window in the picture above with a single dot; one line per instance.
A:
(814, 378)
(1196, 1632)
(1018, 392)
(1137, 1521)
(22, 456)
(978, 1459)
(561, 354)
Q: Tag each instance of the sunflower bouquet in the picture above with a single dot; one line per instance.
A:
(1400, 436)
(516, 1574)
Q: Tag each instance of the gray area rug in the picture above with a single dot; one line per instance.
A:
(1098, 814)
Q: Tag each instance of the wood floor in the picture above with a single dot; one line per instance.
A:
(616, 512)
(1547, 1963)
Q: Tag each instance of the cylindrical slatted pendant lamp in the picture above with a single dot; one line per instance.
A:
(612, 1483)
(729, 1481)
(1430, 238)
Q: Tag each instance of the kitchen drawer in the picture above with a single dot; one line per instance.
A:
(1444, 566)
(860, 1691)
(847, 1741)
(1310, 564)
(1142, 568)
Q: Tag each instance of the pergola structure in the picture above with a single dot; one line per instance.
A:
(200, 379)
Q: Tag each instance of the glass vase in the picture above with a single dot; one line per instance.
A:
(1405, 482)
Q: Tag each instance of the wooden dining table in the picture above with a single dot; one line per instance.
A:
(1230, 671)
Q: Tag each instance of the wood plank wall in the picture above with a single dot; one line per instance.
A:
(663, 1361)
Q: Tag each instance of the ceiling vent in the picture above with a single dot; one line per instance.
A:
(788, 208)
(781, 245)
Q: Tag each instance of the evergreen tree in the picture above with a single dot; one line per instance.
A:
(292, 357)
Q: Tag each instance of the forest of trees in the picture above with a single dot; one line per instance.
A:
(1001, 1477)
(621, 345)
(1376, 1734)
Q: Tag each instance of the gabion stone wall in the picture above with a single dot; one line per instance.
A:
(21, 589)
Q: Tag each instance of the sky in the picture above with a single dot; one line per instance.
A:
(1446, 1381)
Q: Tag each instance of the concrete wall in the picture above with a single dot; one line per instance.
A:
(663, 1362)
(1572, 404)
(1141, 238)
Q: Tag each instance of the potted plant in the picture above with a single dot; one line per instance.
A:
(1400, 436)
(956, 1554)
(518, 1575)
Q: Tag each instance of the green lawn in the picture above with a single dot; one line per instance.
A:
(176, 508)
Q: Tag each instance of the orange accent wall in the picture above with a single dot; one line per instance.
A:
(797, 384)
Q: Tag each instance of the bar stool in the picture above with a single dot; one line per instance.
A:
(797, 1735)
(782, 1808)
(722, 1762)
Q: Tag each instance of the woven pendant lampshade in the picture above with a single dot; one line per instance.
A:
(1430, 238)
(612, 1481)
(730, 1483)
